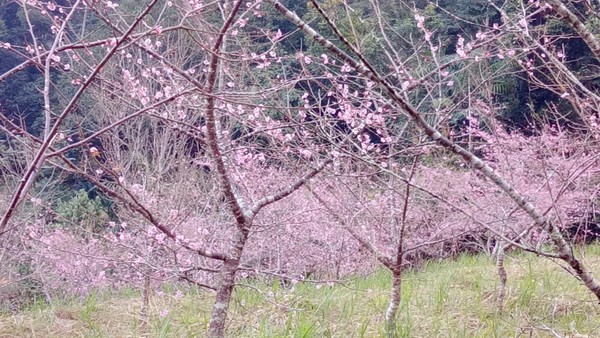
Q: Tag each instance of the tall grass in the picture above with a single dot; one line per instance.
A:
(442, 299)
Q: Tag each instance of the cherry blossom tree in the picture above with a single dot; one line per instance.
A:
(474, 51)
(226, 152)
(180, 120)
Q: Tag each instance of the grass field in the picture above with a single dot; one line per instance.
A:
(443, 299)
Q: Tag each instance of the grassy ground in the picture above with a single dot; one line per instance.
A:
(446, 299)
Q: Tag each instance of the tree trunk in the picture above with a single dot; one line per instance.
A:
(218, 317)
(396, 297)
(502, 276)
(145, 304)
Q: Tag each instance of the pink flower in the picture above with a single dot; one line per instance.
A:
(420, 20)
(94, 151)
(523, 23)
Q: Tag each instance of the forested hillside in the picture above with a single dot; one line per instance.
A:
(207, 143)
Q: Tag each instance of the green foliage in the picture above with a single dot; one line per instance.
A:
(357, 26)
(82, 213)
(473, 13)
(20, 93)
(593, 24)
(3, 29)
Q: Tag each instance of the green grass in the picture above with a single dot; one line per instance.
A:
(443, 299)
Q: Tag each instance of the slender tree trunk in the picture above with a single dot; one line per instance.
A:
(216, 327)
(394, 304)
(500, 254)
(145, 305)
(396, 296)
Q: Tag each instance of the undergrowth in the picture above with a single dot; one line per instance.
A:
(441, 299)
